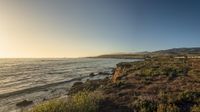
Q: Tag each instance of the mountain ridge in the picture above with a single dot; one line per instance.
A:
(193, 51)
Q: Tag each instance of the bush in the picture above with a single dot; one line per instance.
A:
(188, 96)
(165, 97)
(146, 80)
(81, 102)
(84, 102)
(144, 105)
(51, 106)
(147, 71)
(167, 108)
(195, 108)
(119, 84)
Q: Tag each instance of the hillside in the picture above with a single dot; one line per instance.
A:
(153, 85)
(180, 51)
(170, 52)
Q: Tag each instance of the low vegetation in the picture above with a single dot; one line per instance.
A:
(80, 102)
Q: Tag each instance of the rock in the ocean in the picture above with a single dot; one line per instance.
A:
(103, 73)
(92, 75)
(24, 103)
(77, 83)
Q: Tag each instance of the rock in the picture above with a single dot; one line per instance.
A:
(24, 103)
(44, 99)
(113, 70)
(120, 71)
(103, 73)
(77, 84)
(92, 75)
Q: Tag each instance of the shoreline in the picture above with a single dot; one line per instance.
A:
(41, 73)
(53, 87)
(38, 88)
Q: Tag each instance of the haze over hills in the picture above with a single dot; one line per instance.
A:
(195, 51)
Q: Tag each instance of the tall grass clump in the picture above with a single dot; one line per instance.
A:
(195, 108)
(84, 102)
(141, 105)
(80, 102)
(51, 106)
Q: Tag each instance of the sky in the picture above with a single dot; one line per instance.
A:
(80, 28)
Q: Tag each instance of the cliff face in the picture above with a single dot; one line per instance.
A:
(120, 71)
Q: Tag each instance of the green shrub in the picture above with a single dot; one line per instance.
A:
(144, 105)
(147, 71)
(188, 96)
(84, 102)
(167, 97)
(51, 106)
(163, 97)
(195, 108)
(119, 84)
(168, 71)
(146, 80)
(81, 102)
(167, 108)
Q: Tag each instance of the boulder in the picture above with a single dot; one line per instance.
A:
(24, 103)
(120, 71)
(77, 84)
(103, 73)
(92, 75)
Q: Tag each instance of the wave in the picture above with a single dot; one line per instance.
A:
(39, 88)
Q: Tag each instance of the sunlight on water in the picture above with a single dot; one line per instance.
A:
(19, 74)
(22, 74)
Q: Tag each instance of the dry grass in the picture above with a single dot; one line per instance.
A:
(80, 102)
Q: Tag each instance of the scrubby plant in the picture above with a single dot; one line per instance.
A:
(188, 96)
(163, 97)
(144, 105)
(51, 106)
(81, 102)
(147, 71)
(167, 108)
(167, 97)
(84, 102)
(195, 108)
(119, 84)
(169, 70)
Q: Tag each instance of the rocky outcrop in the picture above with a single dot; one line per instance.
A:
(120, 71)
(24, 103)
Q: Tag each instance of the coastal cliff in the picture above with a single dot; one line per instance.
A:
(163, 84)
(120, 71)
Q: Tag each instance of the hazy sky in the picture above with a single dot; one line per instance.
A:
(76, 28)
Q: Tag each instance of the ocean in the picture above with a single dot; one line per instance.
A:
(40, 79)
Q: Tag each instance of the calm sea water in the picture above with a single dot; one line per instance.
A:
(39, 79)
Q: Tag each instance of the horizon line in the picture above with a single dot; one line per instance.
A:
(46, 57)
